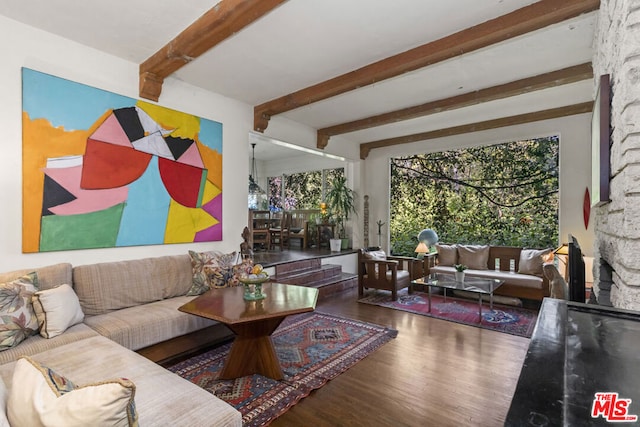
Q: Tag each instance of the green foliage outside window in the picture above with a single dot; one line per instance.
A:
(504, 194)
(302, 190)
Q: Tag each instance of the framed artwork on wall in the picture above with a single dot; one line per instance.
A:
(102, 170)
(601, 143)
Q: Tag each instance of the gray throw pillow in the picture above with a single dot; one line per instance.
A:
(447, 255)
(475, 257)
(531, 261)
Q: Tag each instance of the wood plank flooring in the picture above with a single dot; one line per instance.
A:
(435, 373)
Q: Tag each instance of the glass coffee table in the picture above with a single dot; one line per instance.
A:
(470, 284)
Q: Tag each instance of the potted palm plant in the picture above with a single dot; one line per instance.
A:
(341, 200)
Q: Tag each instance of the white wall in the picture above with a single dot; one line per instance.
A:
(575, 169)
(25, 46)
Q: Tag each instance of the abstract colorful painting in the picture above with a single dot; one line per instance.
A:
(102, 170)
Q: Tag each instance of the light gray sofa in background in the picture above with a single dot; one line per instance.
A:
(520, 269)
(130, 310)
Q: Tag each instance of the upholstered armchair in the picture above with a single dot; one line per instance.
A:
(378, 271)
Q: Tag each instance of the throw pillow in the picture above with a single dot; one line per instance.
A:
(18, 321)
(447, 255)
(57, 309)
(378, 255)
(40, 397)
(213, 260)
(475, 257)
(239, 270)
(531, 261)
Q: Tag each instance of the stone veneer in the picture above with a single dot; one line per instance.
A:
(617, 224)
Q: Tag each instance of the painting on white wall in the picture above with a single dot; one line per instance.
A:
(104, 170)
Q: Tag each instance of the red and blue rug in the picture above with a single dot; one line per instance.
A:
(313, 348)
(507, 319)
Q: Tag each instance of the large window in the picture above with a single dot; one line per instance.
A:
(504, 194)
(303, 190)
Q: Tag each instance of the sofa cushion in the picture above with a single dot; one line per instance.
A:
(36, 343)
(447, 254)
(148, 324)
(110, 286)
(17, 319)
(48, 277)
(4, 421)
(162, 397)
(475, 257)
(210, 269)
(39, 396)
(56, 309)
(531, 261)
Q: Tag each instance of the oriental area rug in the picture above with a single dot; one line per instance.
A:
(507, 319)
(313, 348)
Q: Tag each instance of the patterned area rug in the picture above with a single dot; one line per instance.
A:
(312, 347)
(511, 320)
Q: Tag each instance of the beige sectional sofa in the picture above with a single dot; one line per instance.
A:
(130, 307)
(521, 269)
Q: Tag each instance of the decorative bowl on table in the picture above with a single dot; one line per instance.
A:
(253, 285)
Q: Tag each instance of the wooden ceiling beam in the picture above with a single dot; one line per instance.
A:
(527, 19)
(552, 113)
(217, 24)
(518, 87)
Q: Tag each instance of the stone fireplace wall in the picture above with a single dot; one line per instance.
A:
(617, 224)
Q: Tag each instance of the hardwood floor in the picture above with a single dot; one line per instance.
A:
(435, 373)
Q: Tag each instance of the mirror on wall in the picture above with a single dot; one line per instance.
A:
(275, 158)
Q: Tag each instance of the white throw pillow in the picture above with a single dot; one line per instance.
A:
(531, 261)
(40, 397)
(56, 309)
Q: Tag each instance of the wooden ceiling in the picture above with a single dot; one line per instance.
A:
(231, 16)
(367, 73)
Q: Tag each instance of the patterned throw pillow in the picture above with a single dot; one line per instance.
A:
(17, 319)
(240, 269)
(39, 396)
(227, 276)
(219, 267)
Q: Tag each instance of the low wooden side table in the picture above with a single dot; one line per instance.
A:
(253, 322)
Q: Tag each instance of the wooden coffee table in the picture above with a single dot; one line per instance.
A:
(253, 322)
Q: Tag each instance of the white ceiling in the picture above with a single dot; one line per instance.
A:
(303, 42)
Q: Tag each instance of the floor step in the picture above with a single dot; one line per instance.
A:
(324, 273)
(296, 266)
(348, 281)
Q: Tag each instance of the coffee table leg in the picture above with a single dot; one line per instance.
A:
(429, 294)
(480, 307)
(252, 351)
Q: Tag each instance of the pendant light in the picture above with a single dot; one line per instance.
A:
(254, 188)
